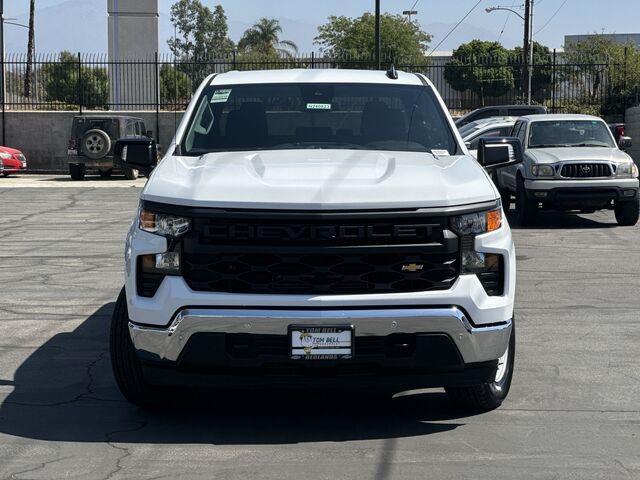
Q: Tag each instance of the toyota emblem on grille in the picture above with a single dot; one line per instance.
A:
(413, 267)
(585, 169)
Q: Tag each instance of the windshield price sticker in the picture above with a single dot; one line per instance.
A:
(318, 106)
(221, 96)
(440, 153)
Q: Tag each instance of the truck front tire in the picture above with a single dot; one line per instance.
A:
(130, 173)
(487, 396)
(76, 171)
(627, 213)
(526, 209)
(127, 367)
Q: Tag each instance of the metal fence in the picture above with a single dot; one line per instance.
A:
(91, 82)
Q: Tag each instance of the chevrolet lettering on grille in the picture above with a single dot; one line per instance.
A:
(317, 232)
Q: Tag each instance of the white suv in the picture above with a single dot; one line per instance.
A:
(320, 228)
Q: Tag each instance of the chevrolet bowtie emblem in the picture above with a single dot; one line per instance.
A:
(413, 267)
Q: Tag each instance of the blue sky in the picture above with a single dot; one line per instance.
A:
(301, 17)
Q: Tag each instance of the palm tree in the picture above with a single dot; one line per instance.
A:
(30, 48)
(264, 37)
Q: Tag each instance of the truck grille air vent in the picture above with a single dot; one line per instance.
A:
(320, 254)
(586, 170)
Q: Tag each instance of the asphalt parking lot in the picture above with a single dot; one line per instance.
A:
(573, 412)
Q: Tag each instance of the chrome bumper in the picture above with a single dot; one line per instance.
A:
(476, 344)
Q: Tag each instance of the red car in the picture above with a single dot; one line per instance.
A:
(12, 161)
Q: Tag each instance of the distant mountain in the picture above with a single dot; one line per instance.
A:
(81, 26)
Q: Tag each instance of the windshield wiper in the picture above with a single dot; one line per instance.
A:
(317, 145)
(548, 145)
(591, 145)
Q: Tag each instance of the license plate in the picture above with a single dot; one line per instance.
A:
(72, 153)
(321, 343)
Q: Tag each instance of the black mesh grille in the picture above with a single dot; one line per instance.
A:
(586, 170)
(320, 255)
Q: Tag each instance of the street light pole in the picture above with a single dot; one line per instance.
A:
(530, 69)
(377, 49)
(3, 90)
(525, 50)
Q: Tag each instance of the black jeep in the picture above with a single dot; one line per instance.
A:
(92, 140)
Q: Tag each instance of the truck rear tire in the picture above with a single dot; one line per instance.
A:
(627, 213)
(488, 396)
(76, 171)
(127, 367)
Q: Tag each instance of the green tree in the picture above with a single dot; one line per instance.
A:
(175, 87)
(202, 32)
(602, 70)
(60, 82)
(264, 38)
(482, 68)
(542, 75)
(401, 40)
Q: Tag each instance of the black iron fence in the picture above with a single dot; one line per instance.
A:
(91, 82)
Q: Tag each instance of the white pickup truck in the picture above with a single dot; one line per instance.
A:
(324, 228)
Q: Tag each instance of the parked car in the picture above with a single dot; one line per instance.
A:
(571, 162)
(13, 161)
(492, 127)
(500, 111)
(92, 140)
(320, 228)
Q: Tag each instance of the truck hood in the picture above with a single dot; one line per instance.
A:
(581, 154)
(319, 179)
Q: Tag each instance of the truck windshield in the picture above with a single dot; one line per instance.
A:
(317, 116)
(570, 133)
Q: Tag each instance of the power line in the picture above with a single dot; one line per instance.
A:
(455, 26)
(504, 26)
(414, 5)
(552, 17)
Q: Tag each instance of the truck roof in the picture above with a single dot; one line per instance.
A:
(314, 76)
(559, 117)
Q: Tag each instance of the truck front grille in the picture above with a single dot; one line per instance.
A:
(320, 255)
(586, 170)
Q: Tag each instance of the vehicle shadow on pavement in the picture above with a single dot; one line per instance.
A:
(560, 220)
(65, 391)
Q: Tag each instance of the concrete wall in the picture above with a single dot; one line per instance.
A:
(632, 119)
(43, 136)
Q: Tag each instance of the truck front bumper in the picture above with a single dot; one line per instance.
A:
(422, 347)
(581, 193)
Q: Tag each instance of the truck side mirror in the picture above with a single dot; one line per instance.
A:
(624, 143)
(150, 133)
(139, 154)
(498, 152)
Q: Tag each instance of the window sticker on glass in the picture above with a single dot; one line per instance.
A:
(440, 153)
(220, 96)
(318, 106)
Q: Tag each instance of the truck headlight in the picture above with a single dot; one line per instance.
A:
(163, 224)
(477, 223)
(543, 171)
(488, 267)
(627, 170)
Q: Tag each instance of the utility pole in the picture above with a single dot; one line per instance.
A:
(530, 69)
(3, 90)
(378, 60)
(525, 48)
